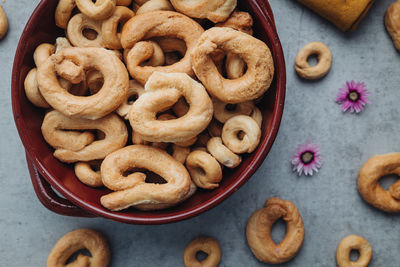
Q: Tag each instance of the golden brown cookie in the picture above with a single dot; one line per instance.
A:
(258, 231)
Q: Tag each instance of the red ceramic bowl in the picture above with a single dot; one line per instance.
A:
(82, 200)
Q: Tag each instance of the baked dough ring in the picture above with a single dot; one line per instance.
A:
(162, 91)
(85, 173)
(158, 24)
(257, 116)
(55, 123)
(368, 182)
(63, 12)
(3, 23)
(109, 27)
(154, 5)
(241, 144)
(204, 169)
(222, 153)
(144, 195)
(42, 53)
(222, 111)
(208, 245)
(100, 10)
(152, 54)
(216, 11)
(392, 23)
(180, 153)
(353, 242)
(75, 31)
(258, 231)
(240, 21)
(62, 43)
(318, 71)
(32, 90)
(110, 96)
(77, 240)
(260, 66)
(135, 89)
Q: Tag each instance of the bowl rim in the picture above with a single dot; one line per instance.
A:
(260, 7)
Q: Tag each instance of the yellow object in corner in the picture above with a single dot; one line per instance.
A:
(345, 14)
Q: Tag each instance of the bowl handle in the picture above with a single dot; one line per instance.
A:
(49, 198)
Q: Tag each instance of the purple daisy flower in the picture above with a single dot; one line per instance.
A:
(307, 159)
(353, 96)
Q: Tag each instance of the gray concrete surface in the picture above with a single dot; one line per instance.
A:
(329, 202)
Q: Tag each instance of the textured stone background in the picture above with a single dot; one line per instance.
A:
(329, 202)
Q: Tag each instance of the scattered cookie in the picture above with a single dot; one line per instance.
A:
(258, 231)
(353, 242)
(77, 240)
(323, 66)
(208, 245)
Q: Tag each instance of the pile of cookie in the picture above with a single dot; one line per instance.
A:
(137, 89)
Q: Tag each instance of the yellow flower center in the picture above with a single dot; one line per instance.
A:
(354, 96)
(307, 157)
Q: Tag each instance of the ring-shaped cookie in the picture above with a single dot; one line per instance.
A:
(245, 143)
(110, 96)
(216, 11)
(55, 124)
(63, 12)
(135, 90)
(158, 24)
(240, 21)
(305, 70)
(109, 27)
(162, 91)
(99, 10)
(205, 244)
(353, 242)
(3, 23)
(86, 174)
(42, 53)
(180, 153)
(257, 116)
(204, 169)
(258, 231)
(222, 153)
(144, 195)
(255, 53)
(62, 43)
(75, 31)
(188, 142)
(224, 111)
(368, 182)
(392, 23)
(154, 5)
(35, 97)
(77, 240)
(152, 55)
(32, 90)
